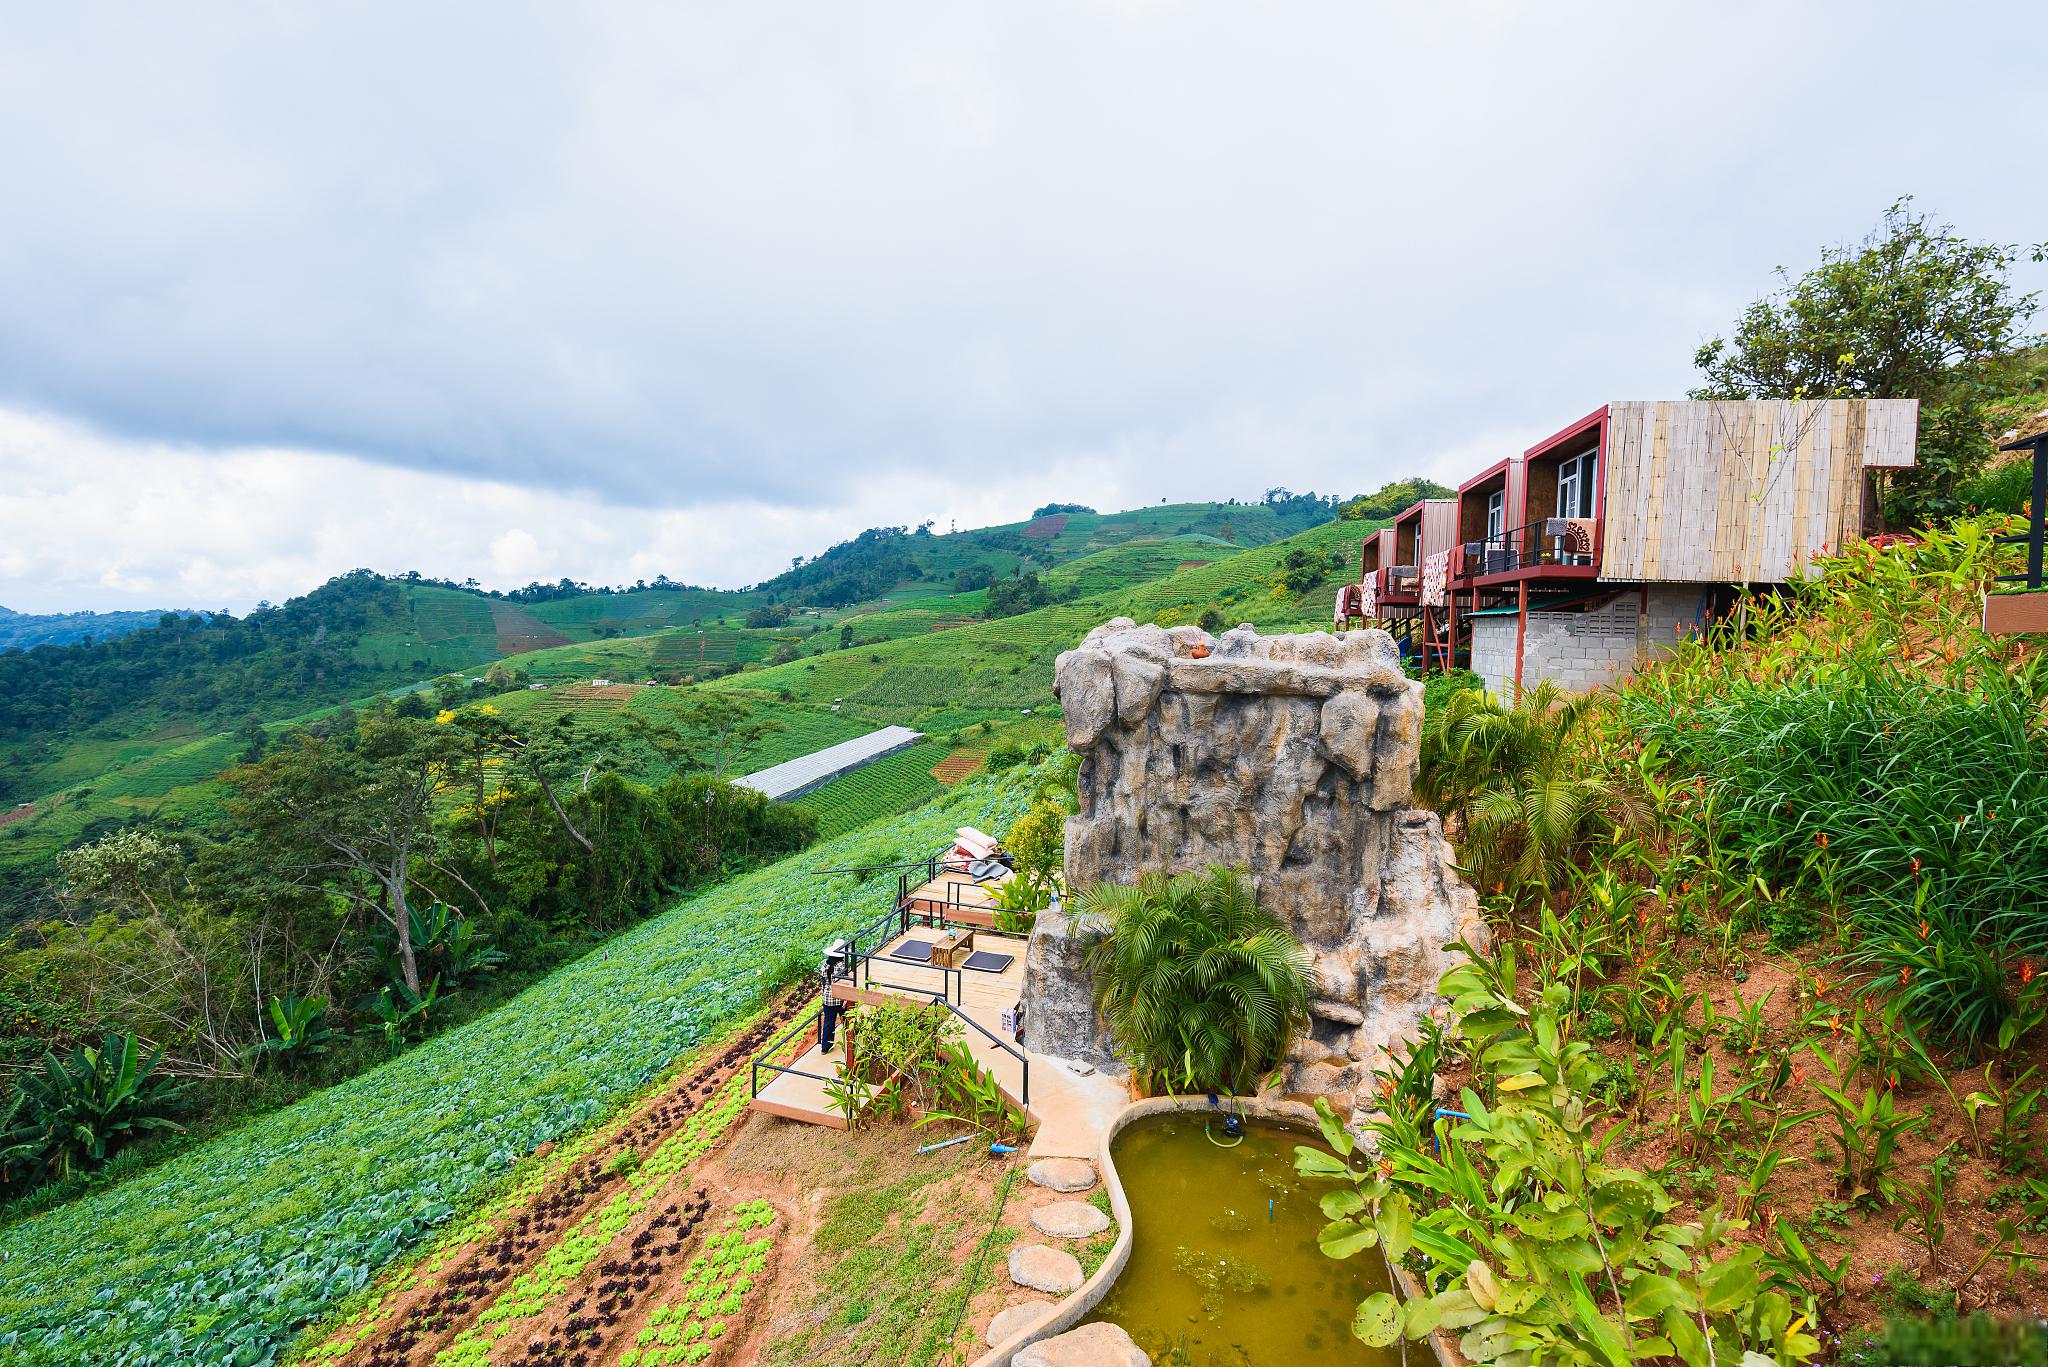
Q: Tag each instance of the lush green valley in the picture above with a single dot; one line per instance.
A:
(97, 737)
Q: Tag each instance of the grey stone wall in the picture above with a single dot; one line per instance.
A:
(1294, 757)
(1581, 650)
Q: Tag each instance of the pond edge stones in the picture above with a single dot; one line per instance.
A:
(1061, 1174)
(1294, 757)
(1015, 1319)
(1069, 1220)
(1091, 1345)
(1045, 1268)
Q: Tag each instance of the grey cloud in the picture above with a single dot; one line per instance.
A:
(677, 255)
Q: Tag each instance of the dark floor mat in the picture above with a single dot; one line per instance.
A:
(917, 951)
(982, 961)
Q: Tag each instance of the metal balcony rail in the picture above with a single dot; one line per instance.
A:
(1534, 545)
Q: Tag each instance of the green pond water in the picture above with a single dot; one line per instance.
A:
(1220, 1278)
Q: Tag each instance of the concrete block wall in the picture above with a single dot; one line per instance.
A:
(1581, 650)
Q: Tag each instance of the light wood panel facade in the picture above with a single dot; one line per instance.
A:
(1740, 491)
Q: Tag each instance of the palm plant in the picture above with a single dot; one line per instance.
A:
(1202, 989)
(70, 1114)
(1511, 784)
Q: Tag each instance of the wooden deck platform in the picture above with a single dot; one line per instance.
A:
(980, 996)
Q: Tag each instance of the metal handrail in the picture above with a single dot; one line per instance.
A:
(1529, 546)
(1005, 1046)
(761, 1059)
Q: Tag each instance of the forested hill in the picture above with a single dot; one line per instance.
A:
(881, 558)
(205, 668)
(27, 630)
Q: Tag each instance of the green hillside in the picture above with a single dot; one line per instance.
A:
(885, 558)
(938, 682)
(153, 718)
(223, 1252)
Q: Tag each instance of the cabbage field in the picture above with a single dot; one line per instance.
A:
(220, 1254)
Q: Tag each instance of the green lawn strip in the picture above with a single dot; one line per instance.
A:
(230, 1247)
(1091, 1254)
(715, 1288)
(889, 1260)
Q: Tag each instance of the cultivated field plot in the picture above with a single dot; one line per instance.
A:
(803, 730)
(1047, 527)
(223, 1251)
(895, 624)
(888, 786)
(646, 610)
(716, 645)
(584, 698)
(1122, 567)
(186, 765)
(519, 631)
(447, 617)
(960, 766)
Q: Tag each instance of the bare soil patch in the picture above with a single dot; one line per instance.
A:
(959, 766)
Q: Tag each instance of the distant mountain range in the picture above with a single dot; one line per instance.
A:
(26, 630)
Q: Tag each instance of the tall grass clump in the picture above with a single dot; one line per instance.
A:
(1863, 741)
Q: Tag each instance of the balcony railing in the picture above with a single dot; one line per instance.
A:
(1548, 543)
(1401, 581)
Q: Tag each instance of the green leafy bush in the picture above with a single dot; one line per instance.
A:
(1514, 786)
(1872, 746)
(1533, 1244)
(1202, 987)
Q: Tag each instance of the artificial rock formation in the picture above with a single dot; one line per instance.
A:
(1294, 757)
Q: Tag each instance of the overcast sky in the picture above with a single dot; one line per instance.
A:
(524, 291)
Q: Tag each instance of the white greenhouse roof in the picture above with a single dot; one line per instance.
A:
(795, 777)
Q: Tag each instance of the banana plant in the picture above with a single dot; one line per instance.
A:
(301, 1027)
(70, 1114)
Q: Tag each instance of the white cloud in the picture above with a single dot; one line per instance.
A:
(608, 275)
(96, 521)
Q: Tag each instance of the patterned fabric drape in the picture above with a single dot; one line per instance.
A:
(1368, 600)
(1436, 573)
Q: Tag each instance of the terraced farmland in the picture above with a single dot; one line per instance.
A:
(221, 1253)
(1001, 668)
(646, 610)
(718, 645)
(519, 631)
(448, 617)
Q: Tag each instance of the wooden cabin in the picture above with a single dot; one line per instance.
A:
(1641, 521)
(1425, 528)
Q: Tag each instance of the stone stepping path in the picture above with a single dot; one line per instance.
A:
(1092, 1345)
(1069, 1220)
(1043, 1268)
(1062, 1174)
(1011, 1322)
